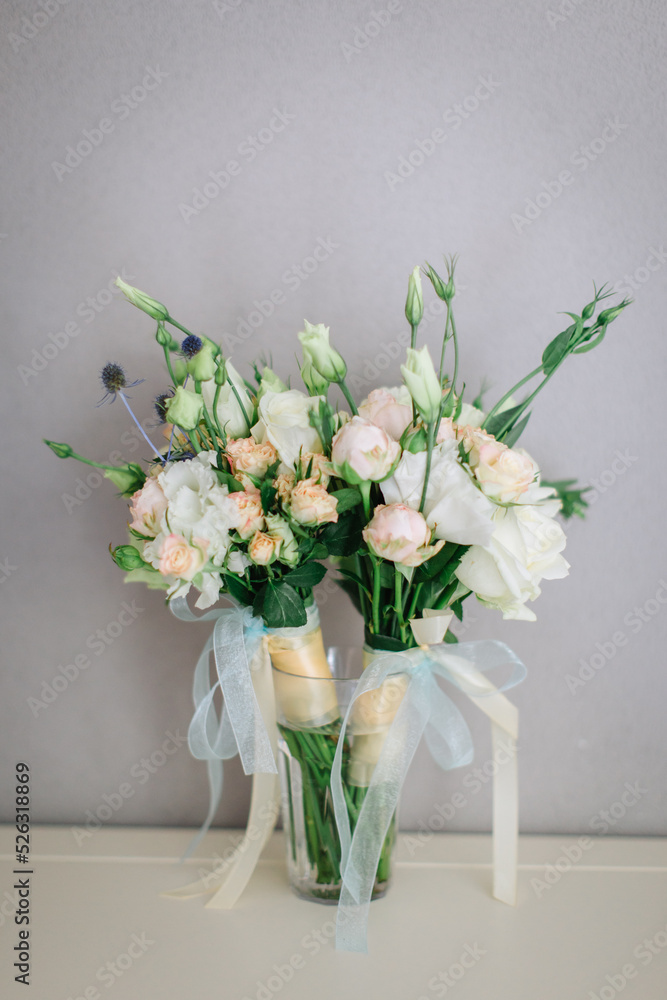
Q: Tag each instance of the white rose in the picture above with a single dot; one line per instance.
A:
(524, 550)
(284, 420)
(470, 416)
(455, 509)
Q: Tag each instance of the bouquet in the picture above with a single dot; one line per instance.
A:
(419, 497)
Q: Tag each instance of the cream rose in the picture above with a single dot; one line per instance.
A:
(361, 451)
(524, 550)
(246, 455)
(504, 474)
(311, 504)
(179, 558)
(246, 513)
(284, 421)
(263, 548)
(390, 409)
(147, 508)
(400, 534)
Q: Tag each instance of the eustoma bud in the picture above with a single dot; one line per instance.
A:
(324, 358)
(422, 382)
(142, 301)
(414, 304)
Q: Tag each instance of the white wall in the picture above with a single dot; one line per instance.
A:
(549, 84)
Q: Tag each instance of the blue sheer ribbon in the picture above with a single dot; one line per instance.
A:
(425, 711)
(240, 727)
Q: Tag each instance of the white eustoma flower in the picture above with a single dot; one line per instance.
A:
(284, 420)
(524, 550)
(234, 418)
(455, 509)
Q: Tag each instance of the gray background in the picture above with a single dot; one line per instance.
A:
(360, 101)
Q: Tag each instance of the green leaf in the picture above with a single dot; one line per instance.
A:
(355, 578)
(346, 499)
(450, 553)
(319, 551)
(511, 437)
(504, 421)
(307, 575)
(384, 642)
(282, 607)
(344, 537)
(267, 495)
(258, 603)
(238, 590)
(591, 343)
(556, 350)
(227, 479)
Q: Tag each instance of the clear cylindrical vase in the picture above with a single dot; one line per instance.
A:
(314, 688)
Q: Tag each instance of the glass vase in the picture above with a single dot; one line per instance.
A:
(313, 690)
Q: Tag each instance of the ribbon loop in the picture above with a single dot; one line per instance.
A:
(426, 711)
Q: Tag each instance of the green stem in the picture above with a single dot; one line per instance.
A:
(377, 590)
(365, 490)
(398, 601)
(207, 419)
(167, 358)
(178, 326)
(348, 396)
(511, 392)
(430, 437)
(455, 376)
(413, 603)
(413, 334)
(193, 442)
(444, 342)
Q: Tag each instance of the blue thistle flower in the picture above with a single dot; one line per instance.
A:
(160, 404)
(191, 345)
(114, 380)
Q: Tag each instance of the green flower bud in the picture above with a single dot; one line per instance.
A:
(61, 450)
(128, 478)
(609, 315)
(215, 348)
(439, 286)
(202, 366)
(128, 558)
(180, 370)
(185, 409)
(142, 301)
(313, 381)
(270, 383)
(220, 370)
(414, 304)
(422, 382)
(164, 338)
(277, 527)
(316, 348)
(414, 441)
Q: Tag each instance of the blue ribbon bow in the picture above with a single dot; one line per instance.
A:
(240, 727)
(427, 711)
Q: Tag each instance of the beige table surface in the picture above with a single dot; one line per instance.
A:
(99, 927)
